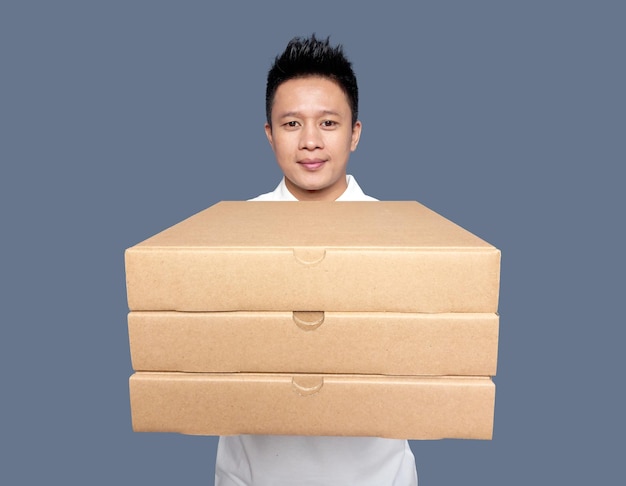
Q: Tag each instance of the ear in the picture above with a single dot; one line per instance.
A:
(356, 135)
(268, 134)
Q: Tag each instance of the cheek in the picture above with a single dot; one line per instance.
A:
(351, 144)
(283, 143)
(282, 149)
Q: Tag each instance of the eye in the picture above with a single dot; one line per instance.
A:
(329, 123)
(291, 124)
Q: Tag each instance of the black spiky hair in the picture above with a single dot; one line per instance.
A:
(312, 57)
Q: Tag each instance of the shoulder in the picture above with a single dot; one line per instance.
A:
(278, 194)
(268, 196)
(354, 192)
(281, 193)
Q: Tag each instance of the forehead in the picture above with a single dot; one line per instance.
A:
(310, 92)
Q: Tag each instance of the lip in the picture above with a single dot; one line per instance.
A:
(311, 164)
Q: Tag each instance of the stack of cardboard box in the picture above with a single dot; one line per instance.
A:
(313, 318)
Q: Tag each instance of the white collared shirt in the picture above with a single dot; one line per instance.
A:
(269, 460)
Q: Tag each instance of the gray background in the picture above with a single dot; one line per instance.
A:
(118, 119)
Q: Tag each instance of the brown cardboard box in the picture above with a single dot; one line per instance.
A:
(283, 404)
(314, 319)
(314, 256)
(300, 342)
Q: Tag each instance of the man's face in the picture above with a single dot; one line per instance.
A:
(312, 137)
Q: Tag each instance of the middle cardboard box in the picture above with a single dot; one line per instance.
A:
(381, 343)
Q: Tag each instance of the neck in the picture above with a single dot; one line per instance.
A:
(326, 194)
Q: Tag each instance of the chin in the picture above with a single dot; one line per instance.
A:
(311, 185)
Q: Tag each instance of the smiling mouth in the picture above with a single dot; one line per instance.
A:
(312, 164)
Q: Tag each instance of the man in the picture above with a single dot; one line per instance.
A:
(312, 126)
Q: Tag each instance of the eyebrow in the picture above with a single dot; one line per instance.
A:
(298, 114)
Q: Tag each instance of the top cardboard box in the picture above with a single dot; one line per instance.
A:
(396, 256)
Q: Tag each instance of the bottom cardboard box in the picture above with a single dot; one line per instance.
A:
(323, 405)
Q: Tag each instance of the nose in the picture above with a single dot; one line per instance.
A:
(311, 138)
